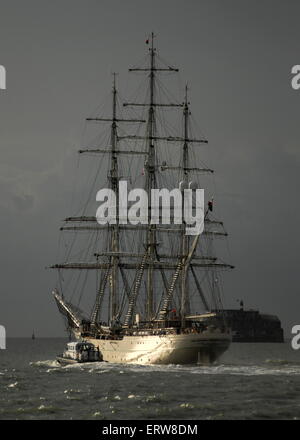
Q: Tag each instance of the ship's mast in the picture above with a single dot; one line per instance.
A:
(185, 239)
(112, 269)
(115, 187)
(151, 182)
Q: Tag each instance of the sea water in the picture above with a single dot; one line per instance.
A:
(250, 381)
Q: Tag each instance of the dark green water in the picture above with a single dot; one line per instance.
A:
(251, 381)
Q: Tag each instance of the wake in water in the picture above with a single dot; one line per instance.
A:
(46, 363)
(269, 367)
(282, 362)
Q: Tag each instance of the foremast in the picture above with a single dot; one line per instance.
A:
(111, 272)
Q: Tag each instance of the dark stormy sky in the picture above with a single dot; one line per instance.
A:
(237, 57)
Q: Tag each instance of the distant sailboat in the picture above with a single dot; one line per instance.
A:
(33, 335)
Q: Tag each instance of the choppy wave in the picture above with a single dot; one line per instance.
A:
(282, 362)
(46, 363)
(12, 385)
(250, 370)
(251, 381)
(268, 367)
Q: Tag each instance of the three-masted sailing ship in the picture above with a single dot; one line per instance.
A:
(156, 300)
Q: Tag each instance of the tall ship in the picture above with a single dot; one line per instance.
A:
(153, 290)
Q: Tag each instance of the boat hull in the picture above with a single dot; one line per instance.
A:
(204, 348)
(67, 361)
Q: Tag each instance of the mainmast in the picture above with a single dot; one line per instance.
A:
(151, 183)
(185, 183)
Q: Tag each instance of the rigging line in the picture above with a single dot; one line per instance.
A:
(60, 244)
(221, 286)
(69, 278)
(143, 63)
(131, 111)
(83, 205)
(142, 87)
(168, 297)
(197, 152)
(100, 109)
(75, 177)
(164, 278)
(60, 279)
(200, 291)
(138, 244)
(126, 292)
(136, 288)
(99, 132)
(198, 128)
(217, 282)
(167, 93)
(93, 187)
(74, 236)
(166, 63)
(86, 250)
(122, 305)
(96, 312)
(167, 129)
(97, 308)
(78, 277)
(181, 83)
(82, 288)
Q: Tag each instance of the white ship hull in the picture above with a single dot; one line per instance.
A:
(204, 348)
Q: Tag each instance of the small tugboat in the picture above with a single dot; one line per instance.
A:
(78, 352)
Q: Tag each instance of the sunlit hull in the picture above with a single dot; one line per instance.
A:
(204, 348)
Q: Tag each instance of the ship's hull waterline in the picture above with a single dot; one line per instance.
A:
(204, 348)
